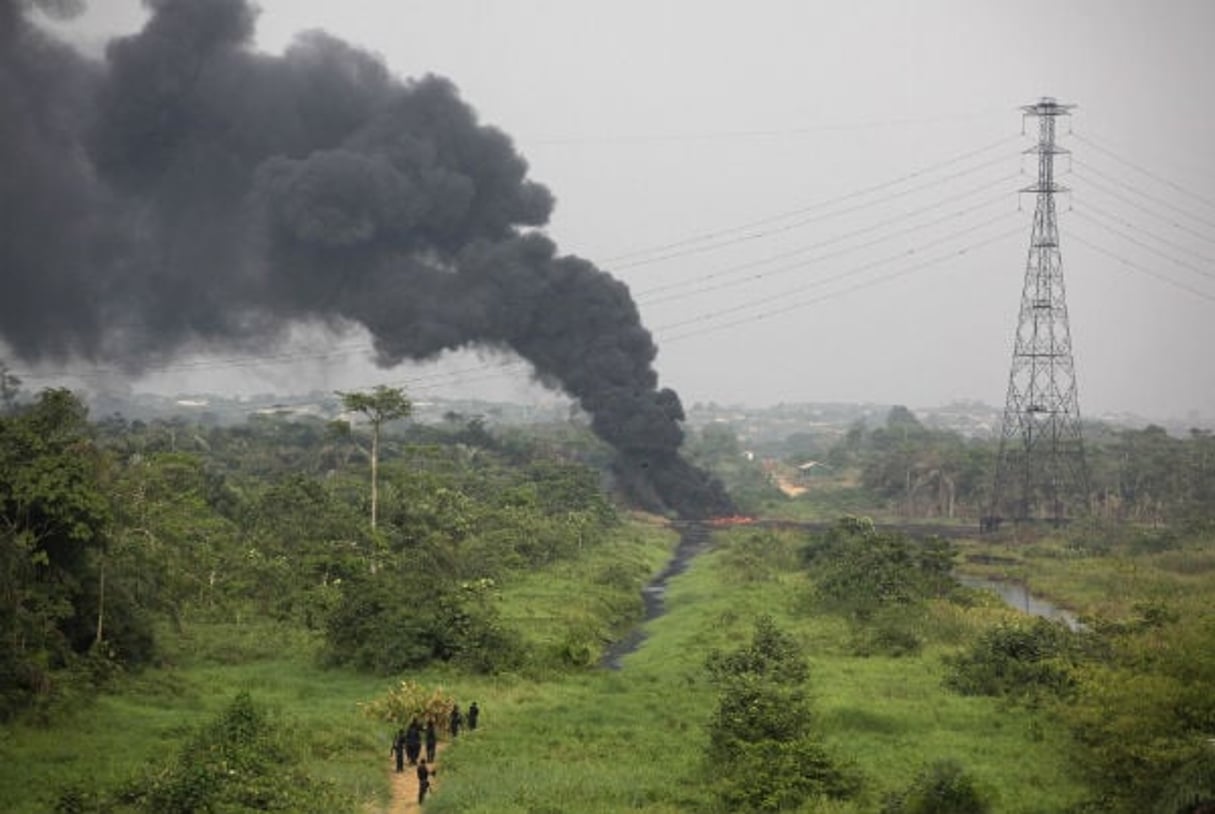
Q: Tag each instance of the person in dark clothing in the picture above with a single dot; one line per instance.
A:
(413, 742)
(432, 740)
(398, 748)
(473, 712)
(456, 720)
(424, 774)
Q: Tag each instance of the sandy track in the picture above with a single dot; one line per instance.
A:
(405, 785)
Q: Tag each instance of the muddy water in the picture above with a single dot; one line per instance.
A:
(693, 539)
(1017, 595)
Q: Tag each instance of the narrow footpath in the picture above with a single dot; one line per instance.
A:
(405, 785)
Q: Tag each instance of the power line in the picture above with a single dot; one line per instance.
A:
(903, 272)
(1166, 219)
(721, 135)
(882, 261)
(438, 379)
(744, 238)
(1136, 267)
(870, 283)
(704, 236)
(1127, 224)
(843, 275)
(1160, 179)
(1166, 204)
(830, 241)
(291, 357)
(801, 264)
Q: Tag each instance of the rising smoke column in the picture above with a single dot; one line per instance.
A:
(187, 193)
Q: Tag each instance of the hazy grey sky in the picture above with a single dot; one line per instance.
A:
(817, 201)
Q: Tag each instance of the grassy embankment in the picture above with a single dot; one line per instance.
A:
(147, 717)
(633, 740)
(591, 741)
(1097, 573)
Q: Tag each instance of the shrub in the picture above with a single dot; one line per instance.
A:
(763, 752)
(891, 632)
(858, 570)
(1142, 718)
(779, 775)
(759, 556)
(940, 788)
(399, 619)
(241, 761)
(410, 701)
(1015, 659)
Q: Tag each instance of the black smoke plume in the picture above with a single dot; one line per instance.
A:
(186, 192)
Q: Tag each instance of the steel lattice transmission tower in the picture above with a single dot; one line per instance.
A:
(1041, 473)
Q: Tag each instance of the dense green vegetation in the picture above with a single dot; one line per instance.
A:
(763, 728)
(904, 470)
(1136, 685)
(200, 618)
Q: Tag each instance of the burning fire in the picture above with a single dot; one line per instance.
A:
(731, 520)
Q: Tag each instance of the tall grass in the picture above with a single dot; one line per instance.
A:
(1108, 582)
(578, 739)
(634, 739)
(569, 611)
(145, 719)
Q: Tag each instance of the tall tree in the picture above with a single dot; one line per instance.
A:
(380, 405)
(53, 513)
(9, 387)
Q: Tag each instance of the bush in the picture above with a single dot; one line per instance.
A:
(241, 761)
(891, 632)
(777, 775)
(1142, 718)
(1190, 789)
(399, 619)
(410, 701)
(1016, 659)
(758, 556)
(858, 570)
(763, 752)
(1154, 541)
(941, 788)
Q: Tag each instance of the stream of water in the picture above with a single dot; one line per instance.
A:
(693, 539)
(1017, 595)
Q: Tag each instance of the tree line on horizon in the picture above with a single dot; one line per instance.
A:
(1143, 476)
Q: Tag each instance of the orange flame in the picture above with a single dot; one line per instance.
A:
(731, 520)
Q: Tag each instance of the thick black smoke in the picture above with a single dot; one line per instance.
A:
(187, 192)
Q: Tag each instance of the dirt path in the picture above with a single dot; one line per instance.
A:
(405, 785)
(786, 485)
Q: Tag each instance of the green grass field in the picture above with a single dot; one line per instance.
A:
(633, 740)
(152, 714)
(589, 740)
(1108, 584)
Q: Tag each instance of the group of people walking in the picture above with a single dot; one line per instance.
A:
(407, 745)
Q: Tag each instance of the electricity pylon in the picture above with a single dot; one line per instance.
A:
(1041, 473)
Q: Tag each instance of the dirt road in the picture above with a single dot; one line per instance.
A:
(405, 786)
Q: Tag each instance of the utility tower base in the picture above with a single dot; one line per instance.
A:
(1041, 475)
